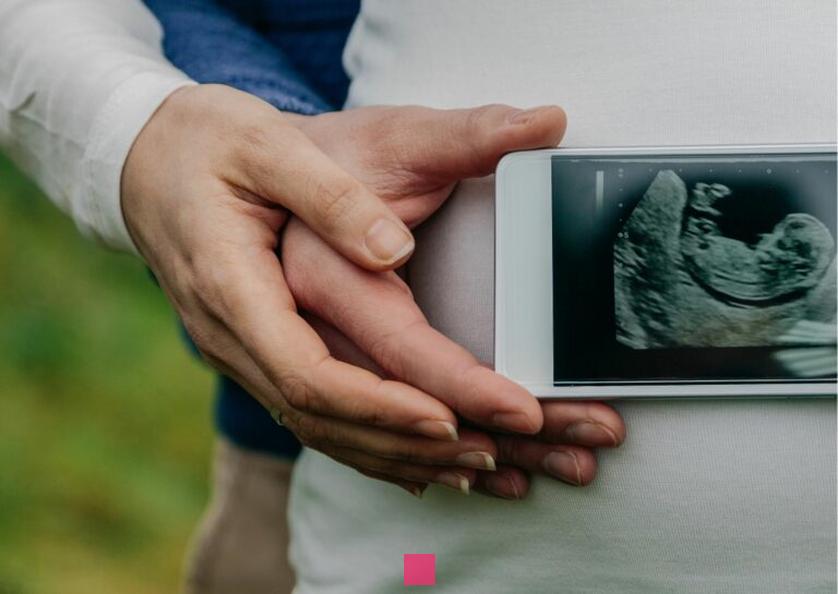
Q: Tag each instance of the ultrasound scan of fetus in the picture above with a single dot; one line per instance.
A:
(685, 276)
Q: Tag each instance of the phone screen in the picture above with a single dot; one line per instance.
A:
(694, 268)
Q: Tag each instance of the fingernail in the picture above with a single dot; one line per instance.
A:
(515, 421)
(388, 241)
(502, 486)
(590, 433)
(437, 430)
(454, 480)
(276, 415)
(524, 116)
(415, 490)
(564, 466)
(478, 460)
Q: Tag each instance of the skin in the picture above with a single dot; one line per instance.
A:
(208, 192)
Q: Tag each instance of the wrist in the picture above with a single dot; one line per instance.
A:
(112, 136)
(145, 164)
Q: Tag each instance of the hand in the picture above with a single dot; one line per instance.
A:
(204, 192)
(412, 157)
(563, 449)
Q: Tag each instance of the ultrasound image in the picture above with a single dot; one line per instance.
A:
(685, 277)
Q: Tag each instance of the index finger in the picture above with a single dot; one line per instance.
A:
(385, 322)
(259, 310)
(277, 162)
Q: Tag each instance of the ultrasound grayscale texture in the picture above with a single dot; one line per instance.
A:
(681, 281)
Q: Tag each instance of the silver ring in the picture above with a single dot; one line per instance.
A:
(276, 415)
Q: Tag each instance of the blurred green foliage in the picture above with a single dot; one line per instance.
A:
(105, 430)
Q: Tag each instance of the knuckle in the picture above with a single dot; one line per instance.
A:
(507, 451)
(257, 146)
(336, 202)
(257, 137)
(213, 284)
(406, 450)
(305, 428)
(477, 117)
(212, 359)
(208, 344)
(298, 392)
(477, 122)
(401, 288)
(385, 129)
(361, 412)
(254, 137)
(389, 355)
(470, 387)
(390, 350)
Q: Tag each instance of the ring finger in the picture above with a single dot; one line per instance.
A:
(454, 477)
(571, 464)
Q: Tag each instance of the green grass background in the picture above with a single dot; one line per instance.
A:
(105, 430)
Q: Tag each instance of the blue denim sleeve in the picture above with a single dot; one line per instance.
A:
(211, 45)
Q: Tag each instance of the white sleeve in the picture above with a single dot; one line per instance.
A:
(78, 81)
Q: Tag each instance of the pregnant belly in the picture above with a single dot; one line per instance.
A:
(734, 497)
(452, 272)
(713, 496)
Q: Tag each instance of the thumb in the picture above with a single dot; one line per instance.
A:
(282, 165)
(454, 144)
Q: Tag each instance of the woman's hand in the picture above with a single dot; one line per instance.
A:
(205, 191)
(412, 157)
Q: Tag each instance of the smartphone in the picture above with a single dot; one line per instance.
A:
(667, 272)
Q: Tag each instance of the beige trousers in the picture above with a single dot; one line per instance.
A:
(241, 544)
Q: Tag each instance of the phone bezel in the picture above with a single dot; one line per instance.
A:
(523, 312)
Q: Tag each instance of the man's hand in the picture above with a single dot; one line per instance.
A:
(412, 157)
(205, 191)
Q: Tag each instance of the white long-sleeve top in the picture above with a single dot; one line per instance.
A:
(705, 496)
(78, 81)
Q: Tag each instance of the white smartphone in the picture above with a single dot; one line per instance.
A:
(667, 272)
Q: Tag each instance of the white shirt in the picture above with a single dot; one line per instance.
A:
(78, 81)
(705, 496)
